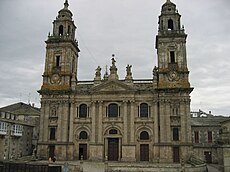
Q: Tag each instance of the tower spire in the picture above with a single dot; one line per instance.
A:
(66, 4)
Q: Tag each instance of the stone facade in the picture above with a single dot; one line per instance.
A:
(224, 142)
(206, 135)
(19, 125)
(111, 118)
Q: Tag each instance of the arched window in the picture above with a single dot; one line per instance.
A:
(113, 110)
(61, 30)
(83, 111)
(144, 135)
(170, 24)
(144, 110)
(113, 131)
(68, 30)
(83, 135)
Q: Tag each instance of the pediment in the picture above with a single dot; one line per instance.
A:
(112, 86)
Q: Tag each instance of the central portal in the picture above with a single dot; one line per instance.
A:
(113, 149)
(82, 151)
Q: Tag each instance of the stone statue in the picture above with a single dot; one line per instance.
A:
(98, 71)
(113, 61)
(155, 72)
(128, 70)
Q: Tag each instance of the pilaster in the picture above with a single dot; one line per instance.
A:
(100, 134)
(71, 122)
(156, 140)
(132, 117)
(59, 129)
(42, 122)
(93, 116)
(46, 123)
(125, 122)
(167, 121)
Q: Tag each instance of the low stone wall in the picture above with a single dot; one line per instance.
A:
(39, 166)
(155, 168)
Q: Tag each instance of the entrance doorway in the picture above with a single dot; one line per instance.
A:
(82, 151)
(176, 154)
(144, 152)
(51, 151)
(113, 149)
(208, 156)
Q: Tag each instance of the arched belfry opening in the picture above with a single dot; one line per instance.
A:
(68, 29)
(61, 30)
(170, 24)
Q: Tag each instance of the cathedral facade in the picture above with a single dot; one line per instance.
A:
(115, 119)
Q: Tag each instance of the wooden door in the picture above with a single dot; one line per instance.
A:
(113, 149)
(82, 151)
(144, 152)
(176, 154)
(51, 151)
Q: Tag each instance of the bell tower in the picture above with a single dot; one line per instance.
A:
(173, 87)
(171, 49)
(61, 53)
(59, 81)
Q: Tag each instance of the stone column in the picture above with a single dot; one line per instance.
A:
(93, 116)
(46, 122)
(183, 121)
(168, 121)
(162, 121)
(188, 126)
(71, 122)
(155, 117)
(100, 115)
(125, 117)
(119, 149)
(42, 121)
(106, 149)
(59, 124)
(132, 118)
(65, 121)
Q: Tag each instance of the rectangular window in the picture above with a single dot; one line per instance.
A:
(144, 110)
(196, 137)
(175, 134)
(16, 130)
(52, 133)
(3, 128)
(113, 110)
(58, 58)
(172, 57)
(209, 136)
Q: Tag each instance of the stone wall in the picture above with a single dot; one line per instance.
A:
(156, 168)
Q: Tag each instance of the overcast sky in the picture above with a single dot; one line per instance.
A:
(126, 28)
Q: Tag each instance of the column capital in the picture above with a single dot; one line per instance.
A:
(132, 101)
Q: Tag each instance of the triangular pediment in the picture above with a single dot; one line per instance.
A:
(112, 86)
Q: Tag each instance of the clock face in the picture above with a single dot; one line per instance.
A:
(55, 79)
(173, 75)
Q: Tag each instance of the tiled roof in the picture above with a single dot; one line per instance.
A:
(208, 121)
(21, 109)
